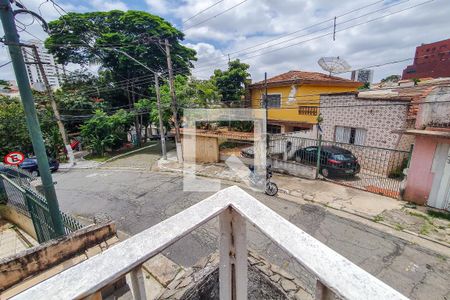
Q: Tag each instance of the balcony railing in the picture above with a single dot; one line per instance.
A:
(335, 275)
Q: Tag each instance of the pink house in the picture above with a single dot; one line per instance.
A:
(428, 178)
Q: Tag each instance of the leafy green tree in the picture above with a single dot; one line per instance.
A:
(191, 93)
(103, 131)
(230, 83)
(13, 129)
(86, 38)
(391, 78)
(14, 134)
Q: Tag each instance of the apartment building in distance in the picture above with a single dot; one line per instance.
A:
(51, 69)
(430, 61)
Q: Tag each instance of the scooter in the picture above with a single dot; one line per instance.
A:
(270, 188)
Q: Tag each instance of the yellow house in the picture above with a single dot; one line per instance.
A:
(293, 98)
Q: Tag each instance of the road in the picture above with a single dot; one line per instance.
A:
(137, 200)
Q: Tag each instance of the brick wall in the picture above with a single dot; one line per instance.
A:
(379, 121)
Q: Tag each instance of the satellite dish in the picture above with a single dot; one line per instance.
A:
(333, 65)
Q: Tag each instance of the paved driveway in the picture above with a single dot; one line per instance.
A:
(138, 200)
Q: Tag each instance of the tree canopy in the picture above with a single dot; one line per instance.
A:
(86, 38)
(230, 83)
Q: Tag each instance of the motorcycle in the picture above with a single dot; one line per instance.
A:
(270, 188)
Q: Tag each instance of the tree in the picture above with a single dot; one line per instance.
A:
(13, 129)
(14, 134)
(85, 38)
(103, 131)
(191, 93)
(391, 78)
(230, 83)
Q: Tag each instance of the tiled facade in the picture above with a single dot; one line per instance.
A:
(379, 121)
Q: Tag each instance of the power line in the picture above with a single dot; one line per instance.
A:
(309, 27)
(5, 64)
(215, 16)
(202, 11)
(317, 37)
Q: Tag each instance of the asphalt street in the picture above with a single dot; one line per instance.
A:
(137, 200)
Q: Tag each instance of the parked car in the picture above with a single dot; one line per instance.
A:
(14, 172)
(30, 164)
(334, 161)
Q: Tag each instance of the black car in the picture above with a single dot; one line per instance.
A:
(31, 165)
(334, 161)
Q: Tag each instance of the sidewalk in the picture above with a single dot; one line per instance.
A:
(376, 208)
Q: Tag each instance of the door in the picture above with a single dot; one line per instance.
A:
(440, 190)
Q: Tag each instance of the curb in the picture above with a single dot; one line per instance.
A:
(125, 154)
(367, 217)
(360, 215)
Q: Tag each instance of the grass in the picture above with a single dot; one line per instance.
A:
(420, 215)
(399, 226)
(439, 214)
(378, 218)
(425, 229)
(108, 155)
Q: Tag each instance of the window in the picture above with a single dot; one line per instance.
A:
(273, 128)
(350, 135)
(307, 110)
(273, 101)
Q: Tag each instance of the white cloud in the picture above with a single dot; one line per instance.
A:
(158, 6)
(109, 5)
(387, 39)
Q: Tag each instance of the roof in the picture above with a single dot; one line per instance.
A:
(429, 133)
(305, 77)
(414, 94)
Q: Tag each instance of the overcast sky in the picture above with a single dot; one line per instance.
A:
(256, 31)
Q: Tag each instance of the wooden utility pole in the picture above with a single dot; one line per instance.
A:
(174, 102)
(60, 124)
(161, 125)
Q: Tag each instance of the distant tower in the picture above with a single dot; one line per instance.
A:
(364, 75)
(52, 70)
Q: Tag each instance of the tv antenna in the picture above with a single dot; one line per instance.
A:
(333, 65)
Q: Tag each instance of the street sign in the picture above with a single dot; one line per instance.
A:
(14, 158)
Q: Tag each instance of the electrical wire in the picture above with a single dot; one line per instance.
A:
(215, 16)
(202, 11)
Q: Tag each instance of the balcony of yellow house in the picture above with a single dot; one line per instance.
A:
(293, 98)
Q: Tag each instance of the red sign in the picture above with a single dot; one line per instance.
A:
(14, 158)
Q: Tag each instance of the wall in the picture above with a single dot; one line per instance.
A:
(437, 110)
(291, 114)
(379, 121)
(206, 149)
(431, 60)
(23, 222)
(420, 177)
(31, 262)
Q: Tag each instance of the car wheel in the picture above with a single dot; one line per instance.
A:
(326, 173)
(35, 173)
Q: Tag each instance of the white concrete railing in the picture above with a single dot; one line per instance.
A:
(335, 274)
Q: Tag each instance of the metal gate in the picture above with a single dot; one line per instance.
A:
(374, 169)
(29, 202)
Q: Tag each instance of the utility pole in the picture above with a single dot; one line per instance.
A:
(266, 106)
(12, 40)
(174, 102)
(61, 128)
(158, 97)
(161, 126)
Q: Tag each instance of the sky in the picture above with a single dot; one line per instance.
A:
(278, 36)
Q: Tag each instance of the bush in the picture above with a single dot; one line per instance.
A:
(103, 131)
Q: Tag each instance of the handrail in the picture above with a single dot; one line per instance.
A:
(22, 190)
(332, 270)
